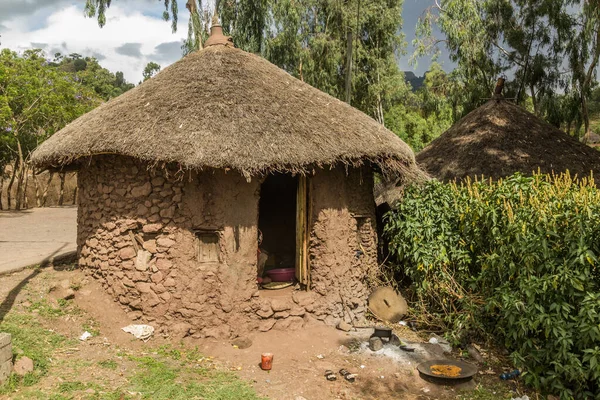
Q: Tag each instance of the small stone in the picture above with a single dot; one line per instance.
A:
(165, 242)
(142, 210)
(158, 181)
(6, 338)
(265, 313)
(163, 264)
(281, 314)
(180, 330)
(344, 326)
(142, 191)
(5, 370)
(24, 365)
(475, 354)
(280, 305)
(157, 277)
(69, 294)
(375, 343)
(169, 282)
(266, 325)
(143, 287)
(150, 245)
(127, 253)
(167, 212)
(152, 228)
(242, 343)
(6, 354)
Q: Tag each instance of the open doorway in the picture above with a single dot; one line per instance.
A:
(277, 229)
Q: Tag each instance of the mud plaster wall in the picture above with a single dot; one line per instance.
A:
(343, 243)
(137, 234)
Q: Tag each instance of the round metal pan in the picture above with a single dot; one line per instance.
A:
(429, 369)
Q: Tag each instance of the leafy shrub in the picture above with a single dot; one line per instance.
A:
(515, 260)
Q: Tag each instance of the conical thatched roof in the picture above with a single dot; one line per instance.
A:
(224, 108)
(501, 138)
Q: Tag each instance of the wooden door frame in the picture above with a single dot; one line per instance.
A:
(303, 213)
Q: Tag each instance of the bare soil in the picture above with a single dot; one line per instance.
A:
(300, 357)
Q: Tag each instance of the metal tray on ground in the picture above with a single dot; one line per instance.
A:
(447, 369)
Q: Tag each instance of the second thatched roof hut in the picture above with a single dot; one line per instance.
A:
(501, 138)
(217, 175)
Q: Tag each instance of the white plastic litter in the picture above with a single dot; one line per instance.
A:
(85, 336)
(434, 341)
(143, 332)
(403, 323)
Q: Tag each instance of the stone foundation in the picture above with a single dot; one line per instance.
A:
(180, 250)
(6, 356)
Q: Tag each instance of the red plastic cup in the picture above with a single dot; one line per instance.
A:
(266, 361)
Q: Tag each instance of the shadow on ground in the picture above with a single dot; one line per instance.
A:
(58, 263)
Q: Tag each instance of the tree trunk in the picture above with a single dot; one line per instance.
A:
(25, 197)
(1, 188)
(36, 185)
(534, 100)
(10, 185)
(20, 175)
(61, 193)
(585, 115)
(75, 195)
(349, 66)
(45, 195)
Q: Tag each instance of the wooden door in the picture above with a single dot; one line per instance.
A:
(302, 228)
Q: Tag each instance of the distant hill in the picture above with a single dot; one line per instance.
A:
(415, 81)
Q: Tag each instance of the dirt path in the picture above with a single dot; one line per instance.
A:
(29, 237)
(114, 365)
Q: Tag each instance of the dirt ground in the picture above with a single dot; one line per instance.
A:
(300, 357)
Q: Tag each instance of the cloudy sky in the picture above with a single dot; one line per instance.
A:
(134, 33)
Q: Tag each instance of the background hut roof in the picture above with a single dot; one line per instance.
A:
(224, 108)
(501, 138)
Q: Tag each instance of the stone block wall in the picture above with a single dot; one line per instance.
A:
(6, 356)
(140, 230)
(343, 243)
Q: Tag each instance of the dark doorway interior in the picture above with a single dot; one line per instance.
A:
(277, 220)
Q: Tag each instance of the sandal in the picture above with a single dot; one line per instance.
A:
(330, 375)
(347, 375)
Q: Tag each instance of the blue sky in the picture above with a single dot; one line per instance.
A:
(134, 34)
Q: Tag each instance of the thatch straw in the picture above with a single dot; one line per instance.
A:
(501, 138)
(224, 108)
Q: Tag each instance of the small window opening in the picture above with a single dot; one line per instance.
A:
(207, 246)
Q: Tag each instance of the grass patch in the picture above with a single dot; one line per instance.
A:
(488, 391)
(108, 364)
(30, 339)
(176, 375)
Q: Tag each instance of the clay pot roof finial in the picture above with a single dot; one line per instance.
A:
(499, 88)
(216, 34)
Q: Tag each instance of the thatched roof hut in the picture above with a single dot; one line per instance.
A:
(219, 174)
(501, 138)
(224, 108)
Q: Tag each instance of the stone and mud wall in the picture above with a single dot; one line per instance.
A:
(179, 250)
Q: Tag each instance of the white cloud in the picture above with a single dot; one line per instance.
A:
(67, 29)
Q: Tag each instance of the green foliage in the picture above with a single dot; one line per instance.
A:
(150, 70)
(160, 379)
(418, 118)
(515, 260)
(30, 339)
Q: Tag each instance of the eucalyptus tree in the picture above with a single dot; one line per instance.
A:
(584, 52)
(524, 38)
(36, 100)
(333, 45)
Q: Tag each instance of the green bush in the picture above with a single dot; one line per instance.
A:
(515, 260)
